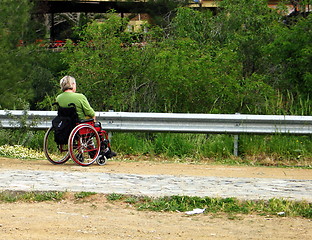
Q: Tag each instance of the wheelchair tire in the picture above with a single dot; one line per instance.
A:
(101, 160)
(55, 153)
(84, 144)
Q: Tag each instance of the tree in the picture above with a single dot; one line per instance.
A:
(291, 54)
(26, 69)
(215, 66)
(96, 60)
(14, 17)
(192, 24)
(245, 26)
(178, 73)
(204, 64)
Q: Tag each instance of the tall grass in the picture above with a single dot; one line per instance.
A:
(180, 145)
(286, 146)
(288, 103)
(25, 137)
(253, 149)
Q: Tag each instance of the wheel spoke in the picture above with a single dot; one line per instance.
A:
(84, 145)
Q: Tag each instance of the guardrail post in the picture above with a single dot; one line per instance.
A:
(236, 143)
(110, 134)
(236, 140)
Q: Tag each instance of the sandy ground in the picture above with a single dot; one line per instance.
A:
(97, 218)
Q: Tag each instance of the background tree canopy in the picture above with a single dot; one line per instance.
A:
(242, 59)
(27, 73)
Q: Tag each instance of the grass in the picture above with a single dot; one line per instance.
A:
(21, 196)
(230, 206)
(268, 150)
(114, 197)
(11, 196)
(18, 151)
(82, 195)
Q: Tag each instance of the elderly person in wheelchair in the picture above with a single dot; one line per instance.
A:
(69, 96)
(75, 131)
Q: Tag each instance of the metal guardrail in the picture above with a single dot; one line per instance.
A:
(172, 122)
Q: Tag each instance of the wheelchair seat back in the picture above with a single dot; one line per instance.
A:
(64, 123)
(69, 112)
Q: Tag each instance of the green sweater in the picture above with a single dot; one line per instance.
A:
(84, 110)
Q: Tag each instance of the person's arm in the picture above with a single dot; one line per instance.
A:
(86, 107)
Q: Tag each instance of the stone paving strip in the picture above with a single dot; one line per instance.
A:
(156, 185)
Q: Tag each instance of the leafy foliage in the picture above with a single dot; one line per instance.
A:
(242, 59)
(13, 20)
(291, 55)
(245, 26)
(26, 70)
(146, 79)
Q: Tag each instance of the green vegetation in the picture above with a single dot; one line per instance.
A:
(114, 196)
(27, 71)
(16, 196)
(221, 63)
(18, 151)
(245, 58)
(230, 206)
(268, 150)
(9, 196)
(82, 195)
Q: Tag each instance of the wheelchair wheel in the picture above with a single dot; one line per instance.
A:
(55, 153)
(101, 160)
(84, 144)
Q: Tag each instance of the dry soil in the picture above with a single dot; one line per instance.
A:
(97, 218)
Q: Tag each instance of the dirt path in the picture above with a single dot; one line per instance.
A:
(180, 169)
(99, 219)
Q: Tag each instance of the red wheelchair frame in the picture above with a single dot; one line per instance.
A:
(87, 143)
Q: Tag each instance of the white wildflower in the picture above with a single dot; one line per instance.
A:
(18, 151)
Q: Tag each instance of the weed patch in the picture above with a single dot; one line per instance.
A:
(82, 195)
(231, 206)
(266, 150)
(115, 196)
(9, 196)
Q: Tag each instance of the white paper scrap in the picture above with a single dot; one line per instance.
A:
(196, 211)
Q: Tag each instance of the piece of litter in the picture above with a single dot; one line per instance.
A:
(195, 211)
(73, 214)
(281, 213)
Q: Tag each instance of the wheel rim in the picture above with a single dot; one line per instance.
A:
(101, 160)
(55, 153)
(84, 144)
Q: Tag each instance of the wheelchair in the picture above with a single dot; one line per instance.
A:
(87, 142)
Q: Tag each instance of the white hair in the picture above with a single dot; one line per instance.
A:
(67, 82)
